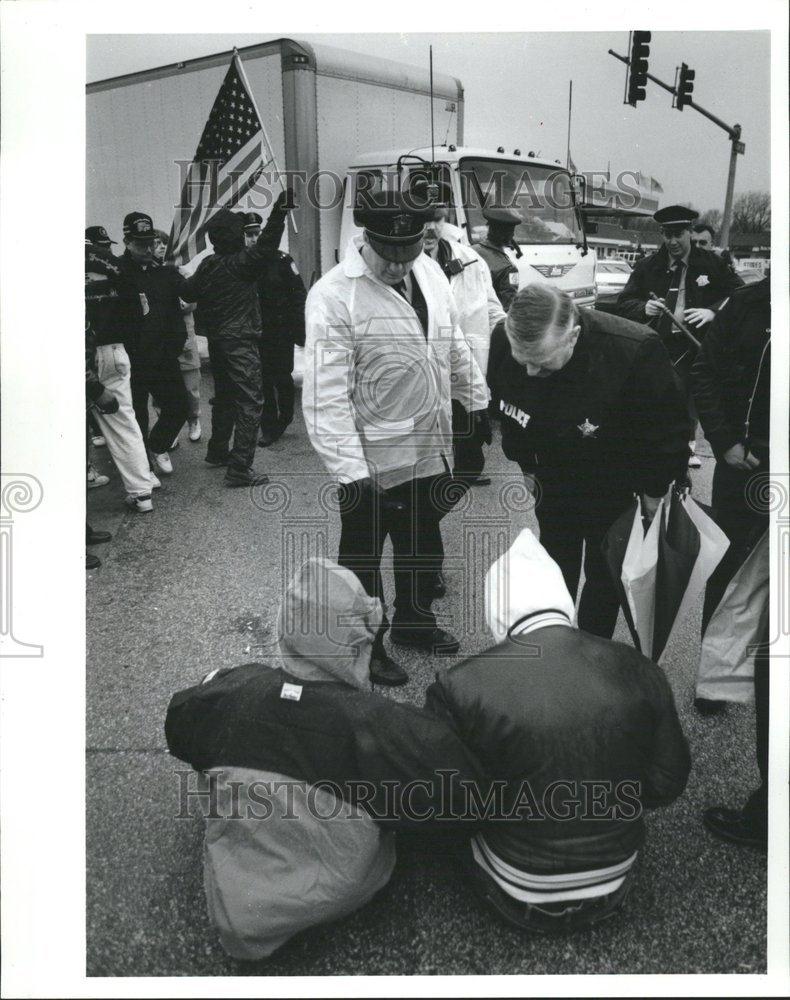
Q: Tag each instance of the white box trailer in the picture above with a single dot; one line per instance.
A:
(321, 107)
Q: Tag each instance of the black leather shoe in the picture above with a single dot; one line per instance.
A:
(384, 670)
(432, 640)
(733, 825)
(97, 537)
(439, 588)
(245, 477)
(216, 460)
(92, 561)
(707, 706)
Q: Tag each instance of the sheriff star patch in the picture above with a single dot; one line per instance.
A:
(587, 429)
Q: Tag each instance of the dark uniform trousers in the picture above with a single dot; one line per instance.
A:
(468, 455)
(410, 515)
(743, 521)
(277, 365)
(568, 525)
(159, 376)
(238, 399)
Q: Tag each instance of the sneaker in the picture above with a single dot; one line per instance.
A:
(695, 462)
(95, 480)
(431, 640)
(195, 430)
(163, 463)
(244, 477)
(155, 484)
(141, 504)
(98, 441)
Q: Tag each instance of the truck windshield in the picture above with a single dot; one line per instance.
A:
(540, 194)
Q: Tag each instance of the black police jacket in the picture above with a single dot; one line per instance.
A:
(504, 273)
(163, 331)
(334, 733)
(558, 705)
(731, 377)
(282, 296)
(612, 422)
(709, 280)
(224, 285)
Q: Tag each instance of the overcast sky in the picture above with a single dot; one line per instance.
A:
(516, 90)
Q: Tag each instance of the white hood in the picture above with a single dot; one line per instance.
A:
(525, 586)
(327, 624)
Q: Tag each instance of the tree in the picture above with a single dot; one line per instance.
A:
(711, 218)
(752, 212)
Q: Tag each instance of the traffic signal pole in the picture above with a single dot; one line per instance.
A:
(734, 133)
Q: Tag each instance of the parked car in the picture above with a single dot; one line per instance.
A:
(611, 277)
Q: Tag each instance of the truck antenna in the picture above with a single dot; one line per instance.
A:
(430, 62)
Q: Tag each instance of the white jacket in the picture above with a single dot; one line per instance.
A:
(479, 308)
(376, 395)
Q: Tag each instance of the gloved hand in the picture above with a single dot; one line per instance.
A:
(285, 201)
(107, 403)
(482, 425)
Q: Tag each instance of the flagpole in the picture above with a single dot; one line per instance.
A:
(246, 82)
(570, 106)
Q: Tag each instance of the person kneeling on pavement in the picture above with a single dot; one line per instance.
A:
(307, 766)
(577, 733)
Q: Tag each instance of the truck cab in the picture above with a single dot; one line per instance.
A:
(550, 240)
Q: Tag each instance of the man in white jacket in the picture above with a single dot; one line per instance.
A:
(384, 355)
(479, 311)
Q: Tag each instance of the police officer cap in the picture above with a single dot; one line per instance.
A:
(252, 220)
(676, 215)
(394, 223)
(98, 235)
(138, 226)
(502, 216)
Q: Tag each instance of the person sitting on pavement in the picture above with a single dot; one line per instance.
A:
(224, 288)
(328, 757)
(581, 732)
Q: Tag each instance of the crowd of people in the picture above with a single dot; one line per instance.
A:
(557, 737)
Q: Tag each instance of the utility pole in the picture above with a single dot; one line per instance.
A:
(570, 107)
(733, 131)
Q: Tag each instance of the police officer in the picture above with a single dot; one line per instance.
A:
(281, 294)
(692, 284)
(383, 356)
(591, 411)
(494, 248)
(224, 289)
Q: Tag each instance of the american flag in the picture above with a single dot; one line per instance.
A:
(231, 154)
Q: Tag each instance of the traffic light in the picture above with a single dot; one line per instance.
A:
(685, 86)
(637, 66)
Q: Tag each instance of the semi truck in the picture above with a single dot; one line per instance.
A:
(324, 110)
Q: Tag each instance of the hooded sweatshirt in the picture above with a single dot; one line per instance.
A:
(311, 727)
(581, 732)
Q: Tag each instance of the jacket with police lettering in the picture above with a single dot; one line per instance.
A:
(610, 423)
(561, 717)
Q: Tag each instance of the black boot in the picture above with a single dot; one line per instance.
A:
(92, 561)
(96, 537)
(707, 706)
(244, 477)
(384, 670)
(736, 826)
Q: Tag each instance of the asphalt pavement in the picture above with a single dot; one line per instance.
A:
(196, 585)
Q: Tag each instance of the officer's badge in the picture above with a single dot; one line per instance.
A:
(402, 225)
(587, 429)
(703, 280)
